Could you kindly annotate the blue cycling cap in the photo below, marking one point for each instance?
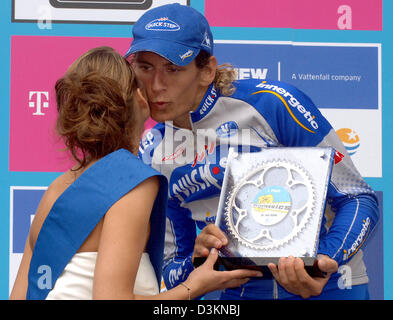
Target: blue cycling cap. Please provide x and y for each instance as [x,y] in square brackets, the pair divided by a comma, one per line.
[173,31]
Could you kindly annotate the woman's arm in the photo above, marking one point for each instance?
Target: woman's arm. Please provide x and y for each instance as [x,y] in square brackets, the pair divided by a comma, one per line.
[123,239]
[20,285]
[19,289]
[205,279]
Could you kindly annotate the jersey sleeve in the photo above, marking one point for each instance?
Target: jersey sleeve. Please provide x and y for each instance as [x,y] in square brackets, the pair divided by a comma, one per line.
[180,231]
[179,244]
[149,142]
[290,113]
[352,204]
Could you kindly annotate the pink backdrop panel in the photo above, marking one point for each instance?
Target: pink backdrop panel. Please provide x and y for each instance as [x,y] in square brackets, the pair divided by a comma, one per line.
[298,14]
[36,63]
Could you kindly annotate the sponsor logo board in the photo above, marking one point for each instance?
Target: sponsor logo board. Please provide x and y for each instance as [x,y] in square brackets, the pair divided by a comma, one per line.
[352,79]
[23,205]
[44,12]
[296,14]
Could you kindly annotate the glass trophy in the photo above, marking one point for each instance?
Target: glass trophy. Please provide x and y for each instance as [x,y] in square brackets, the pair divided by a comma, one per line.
[271,206]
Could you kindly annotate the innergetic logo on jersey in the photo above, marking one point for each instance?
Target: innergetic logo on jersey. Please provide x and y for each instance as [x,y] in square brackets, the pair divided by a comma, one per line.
[290,101]
[359,240]
[227,129]
[350,139]
[162,24]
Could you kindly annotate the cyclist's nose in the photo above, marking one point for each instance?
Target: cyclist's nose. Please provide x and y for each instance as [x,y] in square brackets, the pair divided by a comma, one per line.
[158,81]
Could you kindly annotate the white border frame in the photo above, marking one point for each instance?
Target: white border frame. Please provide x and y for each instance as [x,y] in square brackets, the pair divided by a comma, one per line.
[11,255]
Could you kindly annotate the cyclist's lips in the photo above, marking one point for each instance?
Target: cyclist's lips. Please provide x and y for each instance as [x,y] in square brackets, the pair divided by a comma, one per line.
[159,105]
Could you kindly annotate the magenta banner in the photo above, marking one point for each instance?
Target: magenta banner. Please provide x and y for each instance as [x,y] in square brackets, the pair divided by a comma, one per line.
[36,63]
[297,14]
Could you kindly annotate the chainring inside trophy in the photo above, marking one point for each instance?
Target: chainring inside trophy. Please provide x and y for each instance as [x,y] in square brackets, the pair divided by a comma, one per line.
[270,205]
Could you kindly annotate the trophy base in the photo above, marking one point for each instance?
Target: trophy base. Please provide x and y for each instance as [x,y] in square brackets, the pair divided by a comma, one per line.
[260,264]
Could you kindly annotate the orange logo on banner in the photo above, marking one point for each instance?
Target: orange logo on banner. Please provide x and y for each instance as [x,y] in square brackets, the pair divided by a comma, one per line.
[350,139]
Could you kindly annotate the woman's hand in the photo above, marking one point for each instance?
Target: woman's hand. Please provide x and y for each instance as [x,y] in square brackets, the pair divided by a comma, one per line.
[205,279]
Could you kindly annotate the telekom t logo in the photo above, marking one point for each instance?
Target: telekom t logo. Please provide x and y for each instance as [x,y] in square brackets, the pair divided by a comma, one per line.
[38,102]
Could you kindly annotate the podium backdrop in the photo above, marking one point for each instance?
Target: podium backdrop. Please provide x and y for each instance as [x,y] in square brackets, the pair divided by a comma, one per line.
[339,52]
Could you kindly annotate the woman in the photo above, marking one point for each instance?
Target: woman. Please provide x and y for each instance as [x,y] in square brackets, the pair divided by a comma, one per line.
[99,229]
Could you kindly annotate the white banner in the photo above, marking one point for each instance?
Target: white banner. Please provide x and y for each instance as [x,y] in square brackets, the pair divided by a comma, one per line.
[109,11]
[361,133]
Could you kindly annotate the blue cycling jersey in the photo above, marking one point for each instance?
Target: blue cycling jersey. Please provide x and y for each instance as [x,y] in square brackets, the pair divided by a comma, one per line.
[259,114]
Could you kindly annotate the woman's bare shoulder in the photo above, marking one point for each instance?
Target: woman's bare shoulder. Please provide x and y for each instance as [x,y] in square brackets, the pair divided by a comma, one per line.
[55,189]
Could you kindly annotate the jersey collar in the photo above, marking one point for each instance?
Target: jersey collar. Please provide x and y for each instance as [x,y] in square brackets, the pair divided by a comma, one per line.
[206,105]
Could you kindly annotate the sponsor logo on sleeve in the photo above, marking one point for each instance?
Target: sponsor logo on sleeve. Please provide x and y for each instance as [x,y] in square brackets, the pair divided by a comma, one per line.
[227,129]
[359,240]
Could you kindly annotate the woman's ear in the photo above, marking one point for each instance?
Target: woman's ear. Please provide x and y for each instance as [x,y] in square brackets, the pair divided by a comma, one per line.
[209,71]
[142,104]
[141,99]
[131,60]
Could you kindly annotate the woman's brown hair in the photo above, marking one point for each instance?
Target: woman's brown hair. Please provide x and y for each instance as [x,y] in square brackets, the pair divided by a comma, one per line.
[95,105]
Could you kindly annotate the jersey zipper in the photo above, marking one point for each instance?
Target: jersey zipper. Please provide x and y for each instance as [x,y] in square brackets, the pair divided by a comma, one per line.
[191,123]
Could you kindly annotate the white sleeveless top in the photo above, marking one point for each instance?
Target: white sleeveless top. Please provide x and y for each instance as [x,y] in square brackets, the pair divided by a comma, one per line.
[76,280]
